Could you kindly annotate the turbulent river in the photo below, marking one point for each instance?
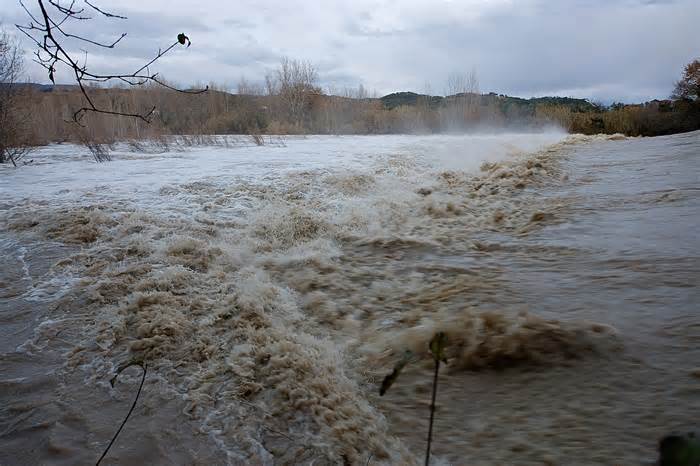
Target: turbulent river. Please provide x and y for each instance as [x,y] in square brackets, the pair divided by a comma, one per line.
[269,289]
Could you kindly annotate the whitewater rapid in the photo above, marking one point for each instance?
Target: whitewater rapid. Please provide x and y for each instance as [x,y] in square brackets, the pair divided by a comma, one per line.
[270,288]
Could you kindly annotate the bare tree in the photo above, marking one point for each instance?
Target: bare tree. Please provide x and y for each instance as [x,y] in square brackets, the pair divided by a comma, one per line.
[456,83]
[294,81]
[462,91]
[246,87]
[271,84]
[462,83]
[13,120]
[47,29]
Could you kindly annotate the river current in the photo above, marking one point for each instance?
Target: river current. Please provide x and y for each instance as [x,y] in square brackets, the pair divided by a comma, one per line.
[268,290]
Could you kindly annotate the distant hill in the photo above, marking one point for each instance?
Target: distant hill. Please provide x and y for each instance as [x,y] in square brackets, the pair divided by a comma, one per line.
[46,87]
[398,99]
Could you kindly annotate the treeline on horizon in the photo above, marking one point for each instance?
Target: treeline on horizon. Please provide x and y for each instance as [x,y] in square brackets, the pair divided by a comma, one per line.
[291,102]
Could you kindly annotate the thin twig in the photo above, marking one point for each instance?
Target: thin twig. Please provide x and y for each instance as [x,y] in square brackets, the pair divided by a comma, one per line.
[138,393]
[432,412]
[109,15]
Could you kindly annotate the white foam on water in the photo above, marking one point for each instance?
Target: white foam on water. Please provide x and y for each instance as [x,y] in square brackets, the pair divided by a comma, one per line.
[269,287]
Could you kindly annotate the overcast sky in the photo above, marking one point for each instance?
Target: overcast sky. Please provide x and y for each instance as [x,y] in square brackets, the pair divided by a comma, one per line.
[606,50]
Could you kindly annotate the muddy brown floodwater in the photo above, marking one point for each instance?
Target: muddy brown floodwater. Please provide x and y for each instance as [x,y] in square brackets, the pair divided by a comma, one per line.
[269,307]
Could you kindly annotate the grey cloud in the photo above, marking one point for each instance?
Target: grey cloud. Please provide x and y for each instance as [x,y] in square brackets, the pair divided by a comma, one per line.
[608,50]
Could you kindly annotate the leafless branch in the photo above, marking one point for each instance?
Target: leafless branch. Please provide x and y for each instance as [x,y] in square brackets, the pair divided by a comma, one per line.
[109,15]
[47,32]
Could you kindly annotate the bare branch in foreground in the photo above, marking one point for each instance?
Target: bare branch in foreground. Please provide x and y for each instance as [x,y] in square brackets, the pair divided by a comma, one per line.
[47,31]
